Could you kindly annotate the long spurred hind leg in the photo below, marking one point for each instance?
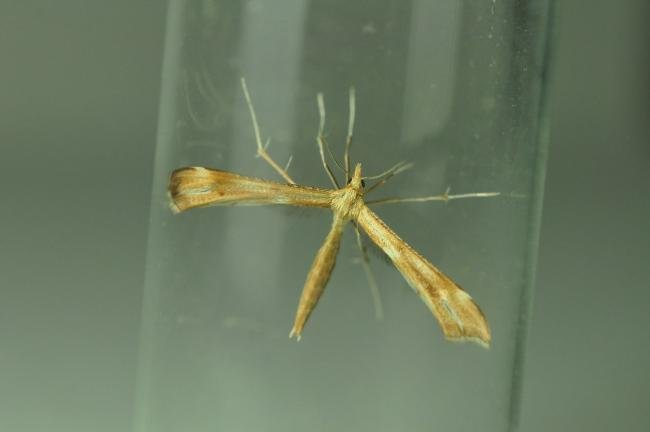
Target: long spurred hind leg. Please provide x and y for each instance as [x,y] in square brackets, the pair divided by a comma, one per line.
[444,197]
[372,283]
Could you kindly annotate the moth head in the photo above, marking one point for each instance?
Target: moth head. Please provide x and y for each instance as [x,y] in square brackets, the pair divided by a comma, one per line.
[356,181]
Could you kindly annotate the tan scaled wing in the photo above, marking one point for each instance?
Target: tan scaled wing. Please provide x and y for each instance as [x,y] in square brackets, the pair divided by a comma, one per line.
[458,315]
[318,276]
[192,187]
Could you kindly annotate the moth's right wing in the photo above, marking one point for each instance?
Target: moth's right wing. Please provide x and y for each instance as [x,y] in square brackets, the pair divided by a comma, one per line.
[201,187]
[458,315]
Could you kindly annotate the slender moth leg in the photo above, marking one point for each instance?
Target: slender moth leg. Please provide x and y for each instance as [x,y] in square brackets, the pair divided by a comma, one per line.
[372,283]
[321,141]
[261,149]
[444,197]
[387,175]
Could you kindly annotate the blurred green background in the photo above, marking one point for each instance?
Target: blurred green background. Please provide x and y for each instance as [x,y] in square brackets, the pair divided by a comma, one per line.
[79,85]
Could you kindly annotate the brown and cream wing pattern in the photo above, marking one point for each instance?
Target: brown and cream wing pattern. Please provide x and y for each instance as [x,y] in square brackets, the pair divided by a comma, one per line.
[458,315]
[192,187]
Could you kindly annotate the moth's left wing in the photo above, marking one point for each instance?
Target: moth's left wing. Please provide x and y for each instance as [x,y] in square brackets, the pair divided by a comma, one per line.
[458,315]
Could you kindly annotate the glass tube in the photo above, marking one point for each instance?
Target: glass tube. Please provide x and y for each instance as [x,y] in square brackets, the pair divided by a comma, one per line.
[455,87]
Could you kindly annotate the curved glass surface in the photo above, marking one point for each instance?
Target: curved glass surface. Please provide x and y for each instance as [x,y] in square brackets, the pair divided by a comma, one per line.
[457,88]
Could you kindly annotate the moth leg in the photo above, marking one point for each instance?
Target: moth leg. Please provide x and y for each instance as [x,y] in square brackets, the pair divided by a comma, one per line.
[320,139]
[261,149]
[318,275]
[372,283]
[386,175]
[444,198]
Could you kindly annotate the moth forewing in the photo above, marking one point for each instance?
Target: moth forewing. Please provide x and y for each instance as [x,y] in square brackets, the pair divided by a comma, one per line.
[192,187]
[318,275]
[458,315]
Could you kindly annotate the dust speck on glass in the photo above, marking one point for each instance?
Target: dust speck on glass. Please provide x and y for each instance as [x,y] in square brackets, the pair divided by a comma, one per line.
[458,89]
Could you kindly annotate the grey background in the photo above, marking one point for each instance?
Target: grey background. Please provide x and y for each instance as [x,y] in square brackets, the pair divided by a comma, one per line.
[79,84]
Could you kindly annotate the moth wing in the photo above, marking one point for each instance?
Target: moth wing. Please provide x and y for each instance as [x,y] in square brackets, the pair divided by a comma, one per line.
[192,187]
[318,276]
[458,315]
